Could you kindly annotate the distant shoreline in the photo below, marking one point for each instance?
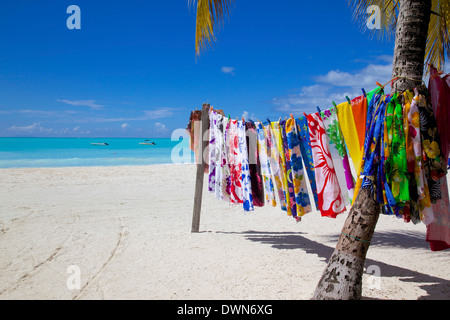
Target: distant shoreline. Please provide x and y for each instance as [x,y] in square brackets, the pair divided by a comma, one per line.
[112,166]
[83,152]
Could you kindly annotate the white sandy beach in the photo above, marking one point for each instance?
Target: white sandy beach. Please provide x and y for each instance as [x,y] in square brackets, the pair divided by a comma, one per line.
[128,230]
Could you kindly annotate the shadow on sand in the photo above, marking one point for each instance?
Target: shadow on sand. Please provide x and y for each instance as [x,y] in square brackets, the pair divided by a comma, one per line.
[436,288]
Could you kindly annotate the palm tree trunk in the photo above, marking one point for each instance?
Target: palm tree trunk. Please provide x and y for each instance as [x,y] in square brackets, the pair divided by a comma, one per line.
[410,43]
[342,277]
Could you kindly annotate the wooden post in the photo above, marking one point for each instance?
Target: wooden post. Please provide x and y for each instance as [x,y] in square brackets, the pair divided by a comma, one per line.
[200,170]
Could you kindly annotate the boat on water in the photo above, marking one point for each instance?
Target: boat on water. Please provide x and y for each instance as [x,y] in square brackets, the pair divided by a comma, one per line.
[99,144]
[148,142]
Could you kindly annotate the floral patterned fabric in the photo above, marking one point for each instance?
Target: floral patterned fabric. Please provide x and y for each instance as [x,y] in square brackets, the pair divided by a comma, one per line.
[438,232]
[275,164]
[423,195]
[305,148]
[339,154]
[302,200]
[276,130]
[213,151]
[289,176]
[266,171]
[376,153]
[254,165]
[234,160]
[396,166]
[433,162]
[226,176]
[370,106]
[439,88]
[219,140]
[411,210]
[247,197]
[329,194]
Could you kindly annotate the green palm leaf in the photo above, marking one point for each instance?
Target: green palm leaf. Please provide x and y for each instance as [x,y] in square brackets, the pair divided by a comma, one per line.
[210,13]
[438,40]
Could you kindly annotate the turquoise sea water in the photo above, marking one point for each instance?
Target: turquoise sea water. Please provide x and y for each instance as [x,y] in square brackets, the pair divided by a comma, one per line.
[69,152]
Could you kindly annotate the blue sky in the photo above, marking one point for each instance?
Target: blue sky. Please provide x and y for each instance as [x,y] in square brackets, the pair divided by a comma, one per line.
[131,70]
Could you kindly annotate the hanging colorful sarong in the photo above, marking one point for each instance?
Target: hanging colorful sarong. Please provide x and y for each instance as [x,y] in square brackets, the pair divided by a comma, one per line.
[381,186]
[348,129]
[254,165]
[234,160]
[440,98]
[434,164]
[438,232]
[226,177]
[299,179]
[289,176]
[411,212]
[276,130]
[265,165]
[275,166]
[213,152]
[305,148]
[359,112]
[219,141]
[423,194]
[339,154]
[396,164]
[375,155]
[329,194]
[247,197]
[370,106]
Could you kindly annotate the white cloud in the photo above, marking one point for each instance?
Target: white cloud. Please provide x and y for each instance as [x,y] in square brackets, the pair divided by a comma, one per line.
[36,129]
[364,78]
[160,126]
[30,112]
[385,58]
[159,113]
[144,115]
[246,115]
[33,128]
[334,86]
[83,103]
[228,70]
[125,126]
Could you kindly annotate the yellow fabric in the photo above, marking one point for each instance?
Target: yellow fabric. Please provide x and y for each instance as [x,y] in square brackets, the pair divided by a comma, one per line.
[348,128]
[358,179]
[350,133]
[279,141]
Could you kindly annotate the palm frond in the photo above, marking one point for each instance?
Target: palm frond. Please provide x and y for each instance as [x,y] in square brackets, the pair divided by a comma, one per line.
[210,14]
[438,40]
[388,10]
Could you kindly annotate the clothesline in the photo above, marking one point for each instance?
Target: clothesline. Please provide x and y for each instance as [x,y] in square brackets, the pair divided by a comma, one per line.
[382,86]
[392,141]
